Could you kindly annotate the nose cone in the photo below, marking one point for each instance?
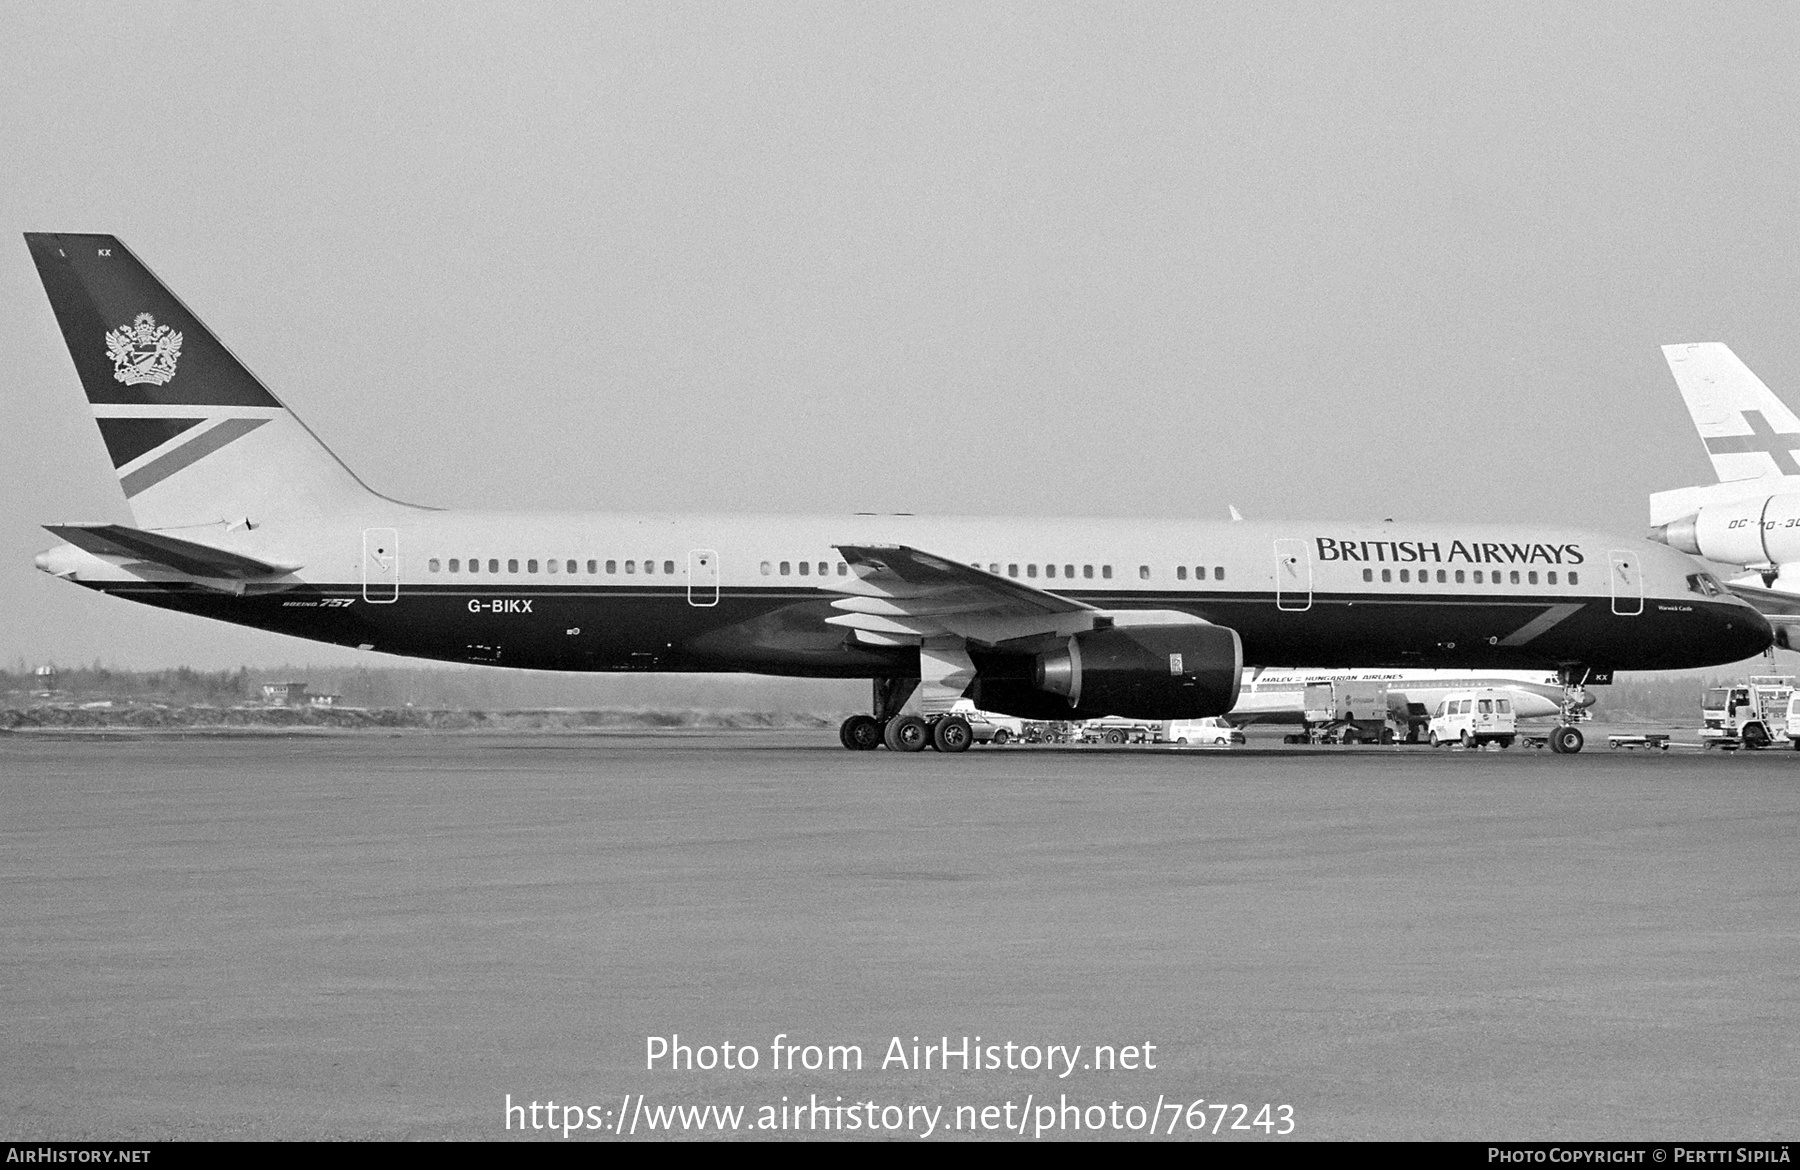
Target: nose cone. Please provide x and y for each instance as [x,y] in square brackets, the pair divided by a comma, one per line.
[1745,632]
[42,561]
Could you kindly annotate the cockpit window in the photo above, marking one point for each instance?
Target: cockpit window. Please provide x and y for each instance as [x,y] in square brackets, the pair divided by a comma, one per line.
[1705,584]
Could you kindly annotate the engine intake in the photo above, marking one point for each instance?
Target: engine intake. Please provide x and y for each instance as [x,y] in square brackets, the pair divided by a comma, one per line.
[1762,530]
[1146,672]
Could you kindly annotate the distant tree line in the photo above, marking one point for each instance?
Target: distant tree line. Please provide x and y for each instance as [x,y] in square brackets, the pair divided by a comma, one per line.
[1672,696]
[446,688]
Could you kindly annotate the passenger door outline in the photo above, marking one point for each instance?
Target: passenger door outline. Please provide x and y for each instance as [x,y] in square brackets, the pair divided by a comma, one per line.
[1293,576]
[703,577]
[381,566]
[1627,581]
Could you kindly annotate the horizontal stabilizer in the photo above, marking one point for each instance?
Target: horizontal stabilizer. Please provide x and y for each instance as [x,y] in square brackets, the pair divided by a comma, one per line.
[184,556]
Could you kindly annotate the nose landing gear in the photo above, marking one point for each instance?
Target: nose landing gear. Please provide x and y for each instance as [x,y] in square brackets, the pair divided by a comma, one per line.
[1566,738]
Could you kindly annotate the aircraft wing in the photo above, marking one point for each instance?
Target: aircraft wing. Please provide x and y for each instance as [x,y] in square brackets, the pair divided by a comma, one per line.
[1748,432]
[1778,608]
[183,556]
[900,595]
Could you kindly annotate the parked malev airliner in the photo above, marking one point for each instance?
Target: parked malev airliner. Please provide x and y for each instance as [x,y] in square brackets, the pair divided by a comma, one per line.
[1278,696]
[241,514]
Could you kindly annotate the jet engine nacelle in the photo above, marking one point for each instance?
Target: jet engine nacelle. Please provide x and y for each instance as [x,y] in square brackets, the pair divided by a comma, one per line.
[1144,672]
[1764,530]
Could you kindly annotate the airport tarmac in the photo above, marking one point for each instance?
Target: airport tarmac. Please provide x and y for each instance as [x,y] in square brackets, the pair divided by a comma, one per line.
[361,936]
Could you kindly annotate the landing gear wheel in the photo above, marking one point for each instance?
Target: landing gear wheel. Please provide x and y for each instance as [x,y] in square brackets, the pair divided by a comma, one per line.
[1566,739]
[860,733]
[952,734]
[906,733]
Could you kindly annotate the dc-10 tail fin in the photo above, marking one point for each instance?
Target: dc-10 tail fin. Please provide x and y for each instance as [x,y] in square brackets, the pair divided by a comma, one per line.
[1748,432]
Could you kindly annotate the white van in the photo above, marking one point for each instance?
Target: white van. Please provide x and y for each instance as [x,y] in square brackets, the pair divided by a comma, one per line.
[1474,718]
[1793,720]
[1216,730]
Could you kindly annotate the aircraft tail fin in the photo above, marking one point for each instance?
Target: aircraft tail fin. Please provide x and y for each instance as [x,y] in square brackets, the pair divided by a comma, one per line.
[1748,432]
[195,438]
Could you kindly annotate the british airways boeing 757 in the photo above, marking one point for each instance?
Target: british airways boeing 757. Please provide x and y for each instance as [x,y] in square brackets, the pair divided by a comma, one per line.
[241,514]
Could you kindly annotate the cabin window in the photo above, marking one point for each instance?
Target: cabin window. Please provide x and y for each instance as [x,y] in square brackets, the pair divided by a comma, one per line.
[512,565]
[1087,572]
[1106,571]
[1405,575]
[474,565]
[805,569]
[1181,572]
[1532,577]
[493,564]
[1218,572]
[1574,577]
[824,569]
[1515,576]
[649,566]
[1031,570]
[1459,576]
[1387,574]
[432,564]
[1012,570]
[843,569]
[1143,572]
[454,564]
[1440,576]
[1477,576]
[1068,570]
[572,566]
[767,568]
[549,566]
[1368,574]
[631,567]
[1550,577]
[994,569]
[785,568]
[531,565]
[669,567]
[1049,570]
[613,566]
[1199,572]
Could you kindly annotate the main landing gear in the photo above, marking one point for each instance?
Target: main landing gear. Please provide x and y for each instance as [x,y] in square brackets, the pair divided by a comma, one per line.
[907,733]
[903,733]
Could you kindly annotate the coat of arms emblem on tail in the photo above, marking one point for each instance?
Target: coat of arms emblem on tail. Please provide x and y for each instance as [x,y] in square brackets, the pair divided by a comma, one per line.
[143,351]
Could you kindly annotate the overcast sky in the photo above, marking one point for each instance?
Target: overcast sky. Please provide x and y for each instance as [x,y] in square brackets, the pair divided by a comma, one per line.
[1345,261]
